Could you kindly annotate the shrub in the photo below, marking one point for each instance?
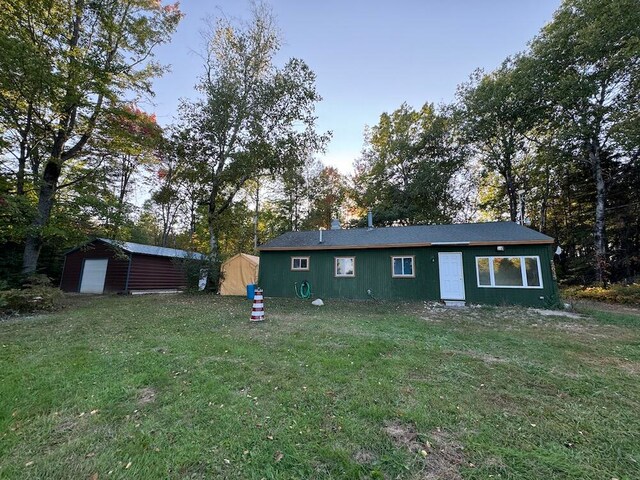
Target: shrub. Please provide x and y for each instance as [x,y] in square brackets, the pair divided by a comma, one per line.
[193,270]
[3,286]
[37,295]
[616,293]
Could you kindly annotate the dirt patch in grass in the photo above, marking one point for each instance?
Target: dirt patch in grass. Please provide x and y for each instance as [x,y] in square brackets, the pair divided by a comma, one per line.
[364,457]
[146,395]
[66,426]
[403,436]
[604,363]
[485,357]
[444,458]
[441,454]
[629,366]
[219,359]
[632,368]
[556,313]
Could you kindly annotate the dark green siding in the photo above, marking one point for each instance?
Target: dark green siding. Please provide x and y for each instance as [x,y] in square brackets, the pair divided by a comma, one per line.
[373,272]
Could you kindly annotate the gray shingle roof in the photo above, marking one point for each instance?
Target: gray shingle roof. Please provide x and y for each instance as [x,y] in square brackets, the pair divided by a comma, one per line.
[491,233]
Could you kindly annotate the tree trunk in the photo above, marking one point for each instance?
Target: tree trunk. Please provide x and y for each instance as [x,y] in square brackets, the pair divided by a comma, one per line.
[127,167]
[24,151]
[255,219]
[599,235]
[164,241]
[193,205]
[213,277]
[511,195]
[213,240]
[33,241]
[22,162]
[545,199]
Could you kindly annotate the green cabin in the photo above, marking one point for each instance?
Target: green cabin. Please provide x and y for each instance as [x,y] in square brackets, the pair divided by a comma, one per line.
[479,263]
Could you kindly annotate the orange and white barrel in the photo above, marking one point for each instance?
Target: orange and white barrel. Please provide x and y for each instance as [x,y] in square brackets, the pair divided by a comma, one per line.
[257,311]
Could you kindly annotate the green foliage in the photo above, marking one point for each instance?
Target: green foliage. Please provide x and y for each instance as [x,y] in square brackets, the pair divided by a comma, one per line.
[294,193]
[329,197]
[496,112]
[37,295]
[66,69]
[194,270]
[408,166]
[628,294]
[253,118]
[584,66]
[559,122]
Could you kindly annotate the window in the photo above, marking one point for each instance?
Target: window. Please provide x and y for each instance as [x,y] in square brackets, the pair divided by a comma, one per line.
[299,263]
[402,267]
[484,273]
[532,269]
[345,267]
[509,272]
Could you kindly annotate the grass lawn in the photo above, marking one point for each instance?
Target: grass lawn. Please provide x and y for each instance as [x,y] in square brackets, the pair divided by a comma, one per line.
[186,387]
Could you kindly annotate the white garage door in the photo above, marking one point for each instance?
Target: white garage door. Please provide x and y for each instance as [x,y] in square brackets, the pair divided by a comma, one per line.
[93,275]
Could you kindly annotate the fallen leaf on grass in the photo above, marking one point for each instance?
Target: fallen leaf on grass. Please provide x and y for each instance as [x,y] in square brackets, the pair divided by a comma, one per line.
[94,477]
[128,465]
[278,456]
[28,464]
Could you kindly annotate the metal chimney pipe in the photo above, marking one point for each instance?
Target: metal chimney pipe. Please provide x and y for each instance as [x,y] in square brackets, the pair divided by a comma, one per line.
[369,219]
[320,230]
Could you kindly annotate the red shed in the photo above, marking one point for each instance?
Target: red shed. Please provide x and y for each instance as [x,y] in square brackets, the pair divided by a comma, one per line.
[105,265]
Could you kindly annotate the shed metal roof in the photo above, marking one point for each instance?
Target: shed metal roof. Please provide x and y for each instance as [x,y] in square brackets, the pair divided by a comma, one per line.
[153,250]
[143,249]
[489,233]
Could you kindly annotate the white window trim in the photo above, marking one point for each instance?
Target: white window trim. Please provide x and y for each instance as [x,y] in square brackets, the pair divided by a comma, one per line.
[335,268]
[413,266]
[293,269]
[523,271]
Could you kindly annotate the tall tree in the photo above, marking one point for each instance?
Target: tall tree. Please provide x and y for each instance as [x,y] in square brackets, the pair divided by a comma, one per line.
[253,117]
[587,65]
[63,64]
[329,194]
[293,196]
[496,114]
[127,140]
[407,166]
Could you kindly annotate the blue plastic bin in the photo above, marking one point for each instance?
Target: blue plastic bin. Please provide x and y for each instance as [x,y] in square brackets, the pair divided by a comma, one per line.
[251,291]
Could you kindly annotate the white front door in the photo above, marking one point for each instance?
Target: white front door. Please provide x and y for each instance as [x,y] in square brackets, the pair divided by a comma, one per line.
[93,275]
[451,276]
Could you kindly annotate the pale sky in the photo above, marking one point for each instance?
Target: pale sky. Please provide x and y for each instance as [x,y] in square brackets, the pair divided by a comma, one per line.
[369,56]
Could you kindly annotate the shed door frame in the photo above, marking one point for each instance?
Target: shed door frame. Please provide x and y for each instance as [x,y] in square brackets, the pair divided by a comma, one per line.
[460,279]
[103,274]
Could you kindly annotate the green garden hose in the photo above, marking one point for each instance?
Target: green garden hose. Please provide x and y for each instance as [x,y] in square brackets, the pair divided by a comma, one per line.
[305,290]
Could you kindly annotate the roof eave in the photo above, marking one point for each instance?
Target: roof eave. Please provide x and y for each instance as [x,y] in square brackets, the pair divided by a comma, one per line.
[407,245]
